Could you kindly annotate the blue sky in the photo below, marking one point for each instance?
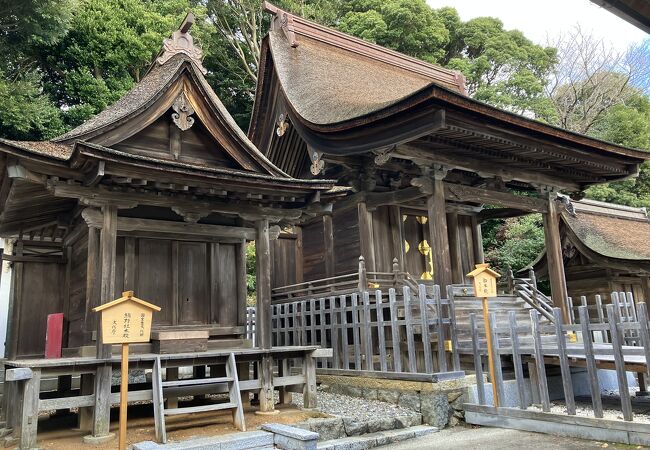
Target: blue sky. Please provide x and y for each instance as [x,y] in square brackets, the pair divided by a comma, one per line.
[542,18]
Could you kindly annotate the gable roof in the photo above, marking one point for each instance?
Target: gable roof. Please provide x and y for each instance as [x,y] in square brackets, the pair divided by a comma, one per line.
[331,77]
[342,96]
[610,230]
[607,234]
[176,72]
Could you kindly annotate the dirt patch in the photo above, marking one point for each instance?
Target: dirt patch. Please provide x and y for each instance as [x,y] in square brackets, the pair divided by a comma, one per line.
[57,431]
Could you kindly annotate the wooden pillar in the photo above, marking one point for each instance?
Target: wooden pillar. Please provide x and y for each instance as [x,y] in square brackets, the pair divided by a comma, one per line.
[299,256]
[397,235]
[455,252]
[263,269]
[645,289]
[477,241]
[107,244]
[438,233]
[365,236]
[554,257]
[328,241]
[241,283]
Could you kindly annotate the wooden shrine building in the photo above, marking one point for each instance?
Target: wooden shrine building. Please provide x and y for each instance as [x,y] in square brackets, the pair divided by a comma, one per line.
[604,249]
[158,194]
[420,156]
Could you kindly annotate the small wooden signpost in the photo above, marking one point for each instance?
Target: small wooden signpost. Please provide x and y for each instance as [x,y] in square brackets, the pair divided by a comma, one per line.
[124,321]
[485,286]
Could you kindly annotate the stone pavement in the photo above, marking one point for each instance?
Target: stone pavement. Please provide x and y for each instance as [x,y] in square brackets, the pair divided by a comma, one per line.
[497,438]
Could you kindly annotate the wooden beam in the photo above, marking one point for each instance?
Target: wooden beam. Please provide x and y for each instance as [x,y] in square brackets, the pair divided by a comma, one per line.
[426,156]
[438,234]
[263,269]
[463,193]
[499,213]
[125,224]
[129,199]
[398,197]
[554,257]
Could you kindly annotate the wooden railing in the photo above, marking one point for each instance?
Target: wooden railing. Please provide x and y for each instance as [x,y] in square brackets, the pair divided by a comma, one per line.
[623,303]
[526,289]
[359,281]
[390,331]
[562,345]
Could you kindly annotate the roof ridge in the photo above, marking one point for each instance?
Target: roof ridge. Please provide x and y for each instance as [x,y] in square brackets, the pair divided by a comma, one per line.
[294,25]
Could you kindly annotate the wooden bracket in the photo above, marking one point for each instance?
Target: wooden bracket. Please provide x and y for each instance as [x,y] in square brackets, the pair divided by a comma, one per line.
[93,178]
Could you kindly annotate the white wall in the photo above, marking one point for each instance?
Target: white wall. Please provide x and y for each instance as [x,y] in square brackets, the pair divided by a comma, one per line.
[5,283]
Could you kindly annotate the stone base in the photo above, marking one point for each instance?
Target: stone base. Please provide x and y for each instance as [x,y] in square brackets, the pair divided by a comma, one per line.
[96,440]
[268,413]
[439,403]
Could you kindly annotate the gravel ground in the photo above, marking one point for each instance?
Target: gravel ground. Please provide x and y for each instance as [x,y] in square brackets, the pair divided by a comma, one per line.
[585,410]
[353,407]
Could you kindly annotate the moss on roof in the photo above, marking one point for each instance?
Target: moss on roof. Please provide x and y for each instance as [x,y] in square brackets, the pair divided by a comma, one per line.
[613,236]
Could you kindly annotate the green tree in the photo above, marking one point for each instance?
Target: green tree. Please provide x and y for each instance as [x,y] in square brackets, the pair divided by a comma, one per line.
[25,113]
[109,46]
[502,67]
[513,243]
[408,26]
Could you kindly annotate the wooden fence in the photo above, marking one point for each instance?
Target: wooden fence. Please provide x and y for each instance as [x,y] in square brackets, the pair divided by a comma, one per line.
[565,345]
[374,331]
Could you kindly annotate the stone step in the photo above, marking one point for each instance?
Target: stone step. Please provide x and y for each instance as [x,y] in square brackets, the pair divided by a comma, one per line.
[371,440]
[249,440]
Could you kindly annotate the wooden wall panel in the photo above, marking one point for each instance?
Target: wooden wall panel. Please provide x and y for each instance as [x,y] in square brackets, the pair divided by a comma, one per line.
[465,235]
[347,244]
[193,276]
[383,239]
[227,282]
[313,251]
[283,258]
[42,294]
[154,267]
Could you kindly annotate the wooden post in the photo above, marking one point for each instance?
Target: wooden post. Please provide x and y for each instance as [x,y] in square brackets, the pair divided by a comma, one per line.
[454,248]
[397,235]
[438,232]
[645,289]
[363,277]
[263,263]
[366,236]
[554,257]
[477,241]
[488,337]
[328,241]
[124,395]
[15,300]
[107,243]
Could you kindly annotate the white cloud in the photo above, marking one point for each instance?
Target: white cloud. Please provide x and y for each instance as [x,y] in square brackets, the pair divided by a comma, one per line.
[542,18]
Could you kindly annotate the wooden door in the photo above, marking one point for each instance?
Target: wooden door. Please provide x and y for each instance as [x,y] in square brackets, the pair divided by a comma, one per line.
[155,277]
[193,283]
[417,249]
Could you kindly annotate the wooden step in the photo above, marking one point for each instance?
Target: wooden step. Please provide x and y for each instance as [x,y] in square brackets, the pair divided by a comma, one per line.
[196,381]
[201,408]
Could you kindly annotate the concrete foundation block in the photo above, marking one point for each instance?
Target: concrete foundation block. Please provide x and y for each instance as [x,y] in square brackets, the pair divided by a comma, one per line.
[291,438]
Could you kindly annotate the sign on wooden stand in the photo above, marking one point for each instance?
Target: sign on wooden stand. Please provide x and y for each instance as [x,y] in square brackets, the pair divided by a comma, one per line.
[485,286]
[125,321]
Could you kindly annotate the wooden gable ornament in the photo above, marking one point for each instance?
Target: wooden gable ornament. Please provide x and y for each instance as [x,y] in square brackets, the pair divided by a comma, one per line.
[126,320]
[485,281]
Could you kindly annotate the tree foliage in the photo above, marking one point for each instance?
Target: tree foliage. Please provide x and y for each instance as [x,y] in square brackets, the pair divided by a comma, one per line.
[513,243]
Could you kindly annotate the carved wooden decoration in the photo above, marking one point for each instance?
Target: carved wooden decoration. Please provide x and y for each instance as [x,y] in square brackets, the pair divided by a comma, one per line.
[283,125]
[182,42]
[183,112]
[383,156]
[317,165]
